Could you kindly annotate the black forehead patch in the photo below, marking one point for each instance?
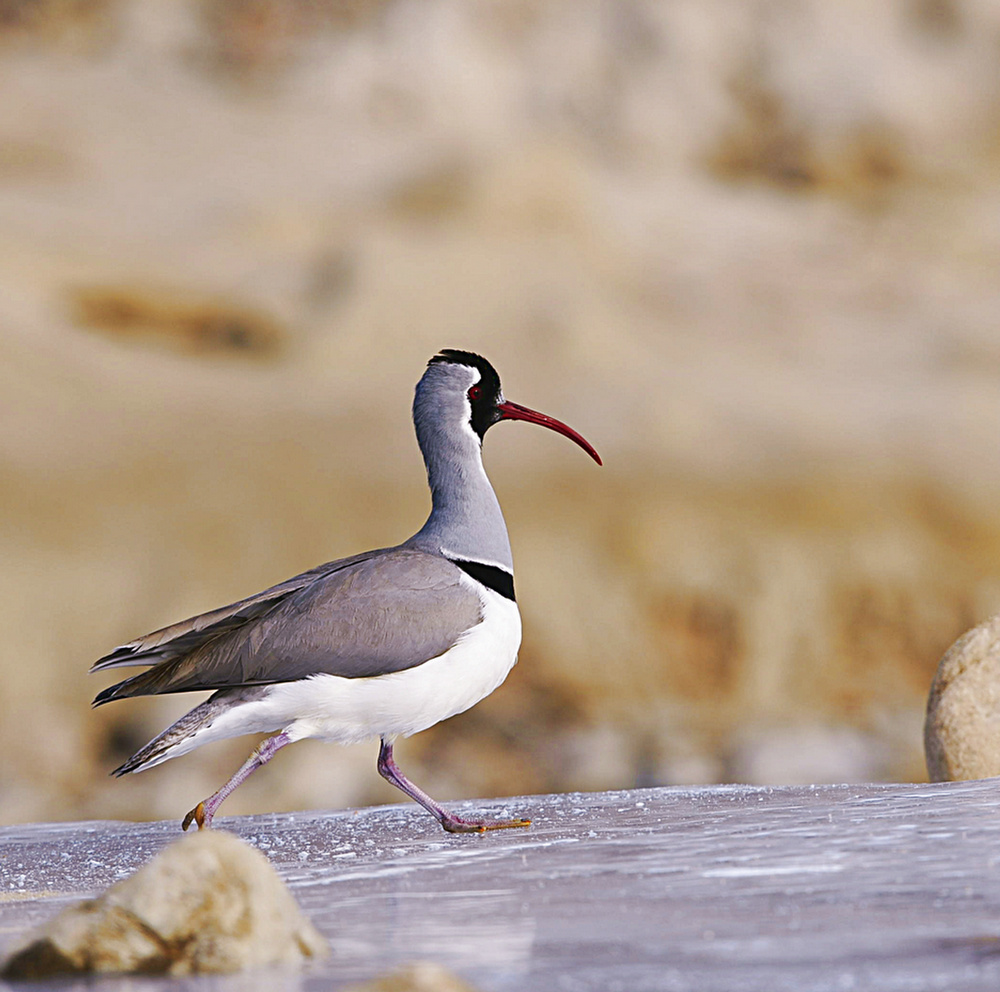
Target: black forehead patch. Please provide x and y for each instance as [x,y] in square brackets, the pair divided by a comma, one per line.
[488,378]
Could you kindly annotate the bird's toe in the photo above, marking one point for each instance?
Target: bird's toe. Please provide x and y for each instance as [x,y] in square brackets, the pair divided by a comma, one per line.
[196,815]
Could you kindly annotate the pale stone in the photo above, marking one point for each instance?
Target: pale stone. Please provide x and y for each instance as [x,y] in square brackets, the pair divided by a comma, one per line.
[418,976]
[962,730]
[208,903]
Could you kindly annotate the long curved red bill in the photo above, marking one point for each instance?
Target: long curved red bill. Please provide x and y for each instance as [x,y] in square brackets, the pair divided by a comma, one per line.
[514,411]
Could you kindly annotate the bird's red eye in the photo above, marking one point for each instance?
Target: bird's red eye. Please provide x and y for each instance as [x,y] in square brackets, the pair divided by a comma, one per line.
[475,392]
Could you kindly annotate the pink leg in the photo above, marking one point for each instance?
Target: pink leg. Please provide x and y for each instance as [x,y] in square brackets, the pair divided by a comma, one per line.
[203,813]
[389,770]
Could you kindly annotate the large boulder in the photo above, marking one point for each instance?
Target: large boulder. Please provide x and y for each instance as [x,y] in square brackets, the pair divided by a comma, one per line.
[208,903]
[962,730]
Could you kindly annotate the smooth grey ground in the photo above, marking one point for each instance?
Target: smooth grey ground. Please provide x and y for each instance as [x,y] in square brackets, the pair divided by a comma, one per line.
[807,888]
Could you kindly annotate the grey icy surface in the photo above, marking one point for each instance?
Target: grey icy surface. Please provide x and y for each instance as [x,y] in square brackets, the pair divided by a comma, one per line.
[808,888]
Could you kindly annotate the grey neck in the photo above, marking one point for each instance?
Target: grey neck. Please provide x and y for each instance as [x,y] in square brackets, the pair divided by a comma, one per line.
[465,520]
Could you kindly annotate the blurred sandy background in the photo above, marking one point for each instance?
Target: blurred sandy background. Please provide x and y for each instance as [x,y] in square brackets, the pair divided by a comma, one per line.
[750,249]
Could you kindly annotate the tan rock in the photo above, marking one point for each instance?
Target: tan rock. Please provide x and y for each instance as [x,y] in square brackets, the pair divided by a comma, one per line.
[417,976]
[962,730]
[208,903]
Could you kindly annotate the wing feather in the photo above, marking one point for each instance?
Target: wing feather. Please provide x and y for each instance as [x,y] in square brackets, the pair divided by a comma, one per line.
[185,636]
[370,616]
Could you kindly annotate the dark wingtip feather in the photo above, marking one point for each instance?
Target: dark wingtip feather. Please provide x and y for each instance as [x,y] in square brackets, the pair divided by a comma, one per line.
[123,657]
[106,695]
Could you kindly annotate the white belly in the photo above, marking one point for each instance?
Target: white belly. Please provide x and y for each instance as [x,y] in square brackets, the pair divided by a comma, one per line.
[346,711]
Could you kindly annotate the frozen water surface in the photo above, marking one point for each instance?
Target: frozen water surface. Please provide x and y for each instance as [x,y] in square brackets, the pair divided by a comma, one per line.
[875,887]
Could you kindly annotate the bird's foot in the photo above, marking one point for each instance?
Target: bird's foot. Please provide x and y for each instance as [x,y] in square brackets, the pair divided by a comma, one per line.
[456,825]
[198,815]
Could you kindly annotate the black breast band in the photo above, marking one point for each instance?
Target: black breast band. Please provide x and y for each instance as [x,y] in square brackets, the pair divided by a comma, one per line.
[497,579]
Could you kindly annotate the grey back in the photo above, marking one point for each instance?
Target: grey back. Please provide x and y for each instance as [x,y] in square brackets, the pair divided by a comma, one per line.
[384,612]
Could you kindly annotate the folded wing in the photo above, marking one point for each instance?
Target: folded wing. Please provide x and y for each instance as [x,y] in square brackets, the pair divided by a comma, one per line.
[358,617]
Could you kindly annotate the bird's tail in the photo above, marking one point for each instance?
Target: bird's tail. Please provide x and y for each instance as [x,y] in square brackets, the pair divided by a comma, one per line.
[198,726]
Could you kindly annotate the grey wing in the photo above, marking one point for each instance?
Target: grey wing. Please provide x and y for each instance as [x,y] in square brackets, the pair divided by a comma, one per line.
[185,636]
[379,615]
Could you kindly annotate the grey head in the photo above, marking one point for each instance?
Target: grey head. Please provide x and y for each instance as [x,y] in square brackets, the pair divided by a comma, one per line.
[456,402]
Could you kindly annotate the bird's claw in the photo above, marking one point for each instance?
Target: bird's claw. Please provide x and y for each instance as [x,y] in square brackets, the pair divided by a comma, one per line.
[197,815]
[456,825]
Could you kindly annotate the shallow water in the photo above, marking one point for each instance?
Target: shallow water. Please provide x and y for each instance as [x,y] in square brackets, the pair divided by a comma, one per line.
[811,888]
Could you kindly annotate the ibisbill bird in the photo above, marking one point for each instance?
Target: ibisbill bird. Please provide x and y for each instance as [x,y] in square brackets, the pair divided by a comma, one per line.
[375,646]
